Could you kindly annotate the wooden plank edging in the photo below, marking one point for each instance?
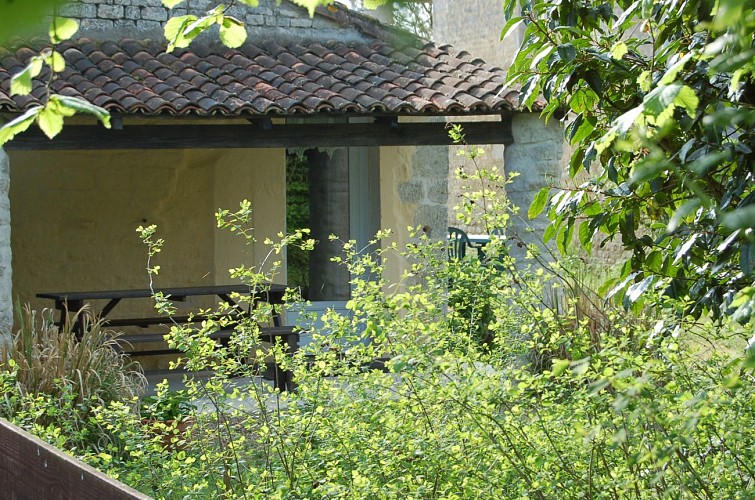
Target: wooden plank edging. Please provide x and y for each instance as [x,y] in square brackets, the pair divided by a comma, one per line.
[31,468]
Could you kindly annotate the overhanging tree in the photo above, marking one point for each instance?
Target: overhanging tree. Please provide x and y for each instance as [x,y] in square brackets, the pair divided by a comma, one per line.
[658,96]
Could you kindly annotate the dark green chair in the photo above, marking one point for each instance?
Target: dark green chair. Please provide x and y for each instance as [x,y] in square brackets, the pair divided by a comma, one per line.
[458,242]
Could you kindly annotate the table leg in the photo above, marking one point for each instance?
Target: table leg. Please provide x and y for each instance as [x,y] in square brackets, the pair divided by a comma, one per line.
[284,379]
[67,308]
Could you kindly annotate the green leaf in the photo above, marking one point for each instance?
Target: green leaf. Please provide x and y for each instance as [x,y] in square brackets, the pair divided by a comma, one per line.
[564,237]
[311,5]
[55,104]
[747,257]
[175,31]
[62,28]
[21,83]
[727,13]
[741,218]
[580,366]
[627,120]
[540,56]
[618,50]
[703,163]
[687,99]
[581,128]
[618,288]
[670,75]
[171,3]
[510,26]
[549,232]
[647,170]
[749,362]
[560,366]
[645,80]
[682,213]
[50,120]
[585,236]
[23,17]
[204,23]
[583,100]
[528,93]
[57,62]
[744,302]
[628,14]
[18,125]
[78,105]
[661,98]
[232,32]
[592,209]
[567,52]
[636,290]
[538,203]
[686,246]
[654,261]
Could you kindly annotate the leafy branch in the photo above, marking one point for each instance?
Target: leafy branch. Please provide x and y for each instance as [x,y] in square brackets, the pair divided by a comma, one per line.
[51,113]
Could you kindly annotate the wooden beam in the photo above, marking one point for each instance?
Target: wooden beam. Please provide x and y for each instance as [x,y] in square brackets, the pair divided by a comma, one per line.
[250,136]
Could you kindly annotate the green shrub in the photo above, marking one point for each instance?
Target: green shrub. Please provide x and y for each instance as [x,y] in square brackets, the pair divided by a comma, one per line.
[565,398]
[51,380]
[581,399]
[167,404]
[51,360]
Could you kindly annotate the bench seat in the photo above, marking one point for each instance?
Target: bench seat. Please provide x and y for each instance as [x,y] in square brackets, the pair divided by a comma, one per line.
[288,334]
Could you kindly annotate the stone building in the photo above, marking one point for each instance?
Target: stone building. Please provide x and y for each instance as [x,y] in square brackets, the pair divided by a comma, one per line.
[207,126]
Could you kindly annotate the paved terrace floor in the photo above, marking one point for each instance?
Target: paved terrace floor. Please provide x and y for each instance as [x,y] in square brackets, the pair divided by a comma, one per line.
[176,379]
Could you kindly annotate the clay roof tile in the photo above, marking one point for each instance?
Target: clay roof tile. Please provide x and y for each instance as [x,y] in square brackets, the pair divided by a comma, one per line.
[133,76]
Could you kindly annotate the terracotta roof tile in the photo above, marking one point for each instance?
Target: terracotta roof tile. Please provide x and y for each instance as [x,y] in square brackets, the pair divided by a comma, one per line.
[301,78]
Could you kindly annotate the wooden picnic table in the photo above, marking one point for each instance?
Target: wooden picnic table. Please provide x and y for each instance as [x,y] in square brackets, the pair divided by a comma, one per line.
[68,303]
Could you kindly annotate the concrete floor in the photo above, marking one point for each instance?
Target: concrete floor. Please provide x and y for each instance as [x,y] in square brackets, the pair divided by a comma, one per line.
[176,381]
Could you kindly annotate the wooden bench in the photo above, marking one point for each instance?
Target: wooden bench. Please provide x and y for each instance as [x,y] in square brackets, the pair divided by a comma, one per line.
[283,379]
[70,302]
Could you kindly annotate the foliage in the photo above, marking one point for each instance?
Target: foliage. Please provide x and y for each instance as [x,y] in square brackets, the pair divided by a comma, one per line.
[297,217]
[659,99]
[563,401]
[167,404]
[49,115]
[400,399]
[51,381]
[46,359]
[16,18]
[411,15]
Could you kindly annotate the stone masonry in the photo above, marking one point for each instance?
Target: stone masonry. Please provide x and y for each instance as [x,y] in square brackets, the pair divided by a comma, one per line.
[6,295]
[140,19]
[428,189]
[536,156]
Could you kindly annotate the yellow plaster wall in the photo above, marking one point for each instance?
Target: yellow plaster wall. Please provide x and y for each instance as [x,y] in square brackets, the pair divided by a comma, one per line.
[74,215]
[396,215]
[260,176]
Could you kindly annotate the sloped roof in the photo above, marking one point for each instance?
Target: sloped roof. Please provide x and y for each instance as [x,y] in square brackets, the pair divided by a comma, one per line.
[388,75]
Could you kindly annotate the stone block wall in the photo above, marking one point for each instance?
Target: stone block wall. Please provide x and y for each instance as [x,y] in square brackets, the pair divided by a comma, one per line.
[109,19]
[6,301]
[475,26]
[537,157]
[427,189]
